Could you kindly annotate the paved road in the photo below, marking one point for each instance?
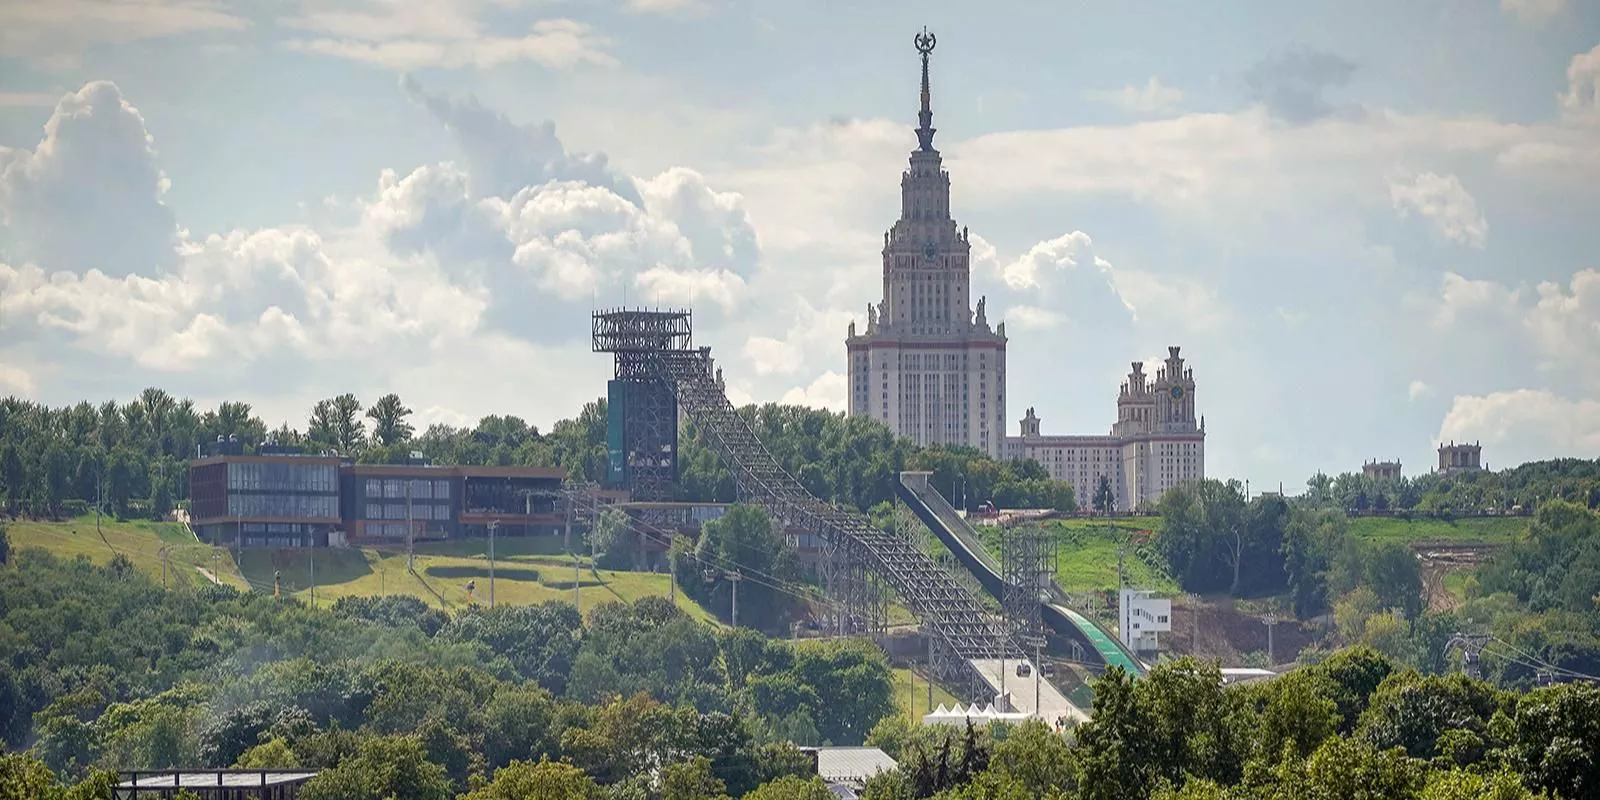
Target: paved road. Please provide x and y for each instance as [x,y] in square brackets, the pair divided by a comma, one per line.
[1054,704]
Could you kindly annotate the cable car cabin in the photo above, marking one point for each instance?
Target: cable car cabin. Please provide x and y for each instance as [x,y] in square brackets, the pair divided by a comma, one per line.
[1046,669]
[1023,670]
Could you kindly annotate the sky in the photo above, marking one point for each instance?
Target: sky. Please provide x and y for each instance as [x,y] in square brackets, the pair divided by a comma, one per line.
[1371,226]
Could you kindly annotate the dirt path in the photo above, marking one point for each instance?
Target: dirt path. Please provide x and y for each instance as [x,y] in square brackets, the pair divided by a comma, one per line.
[208,575]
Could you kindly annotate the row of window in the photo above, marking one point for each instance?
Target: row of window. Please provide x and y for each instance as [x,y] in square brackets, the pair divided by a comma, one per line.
[395,488]
[387,530]
[398,511]
[283,505]
[281,477]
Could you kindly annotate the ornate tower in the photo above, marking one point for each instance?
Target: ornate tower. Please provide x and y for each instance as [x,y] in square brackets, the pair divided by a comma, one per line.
[927,365]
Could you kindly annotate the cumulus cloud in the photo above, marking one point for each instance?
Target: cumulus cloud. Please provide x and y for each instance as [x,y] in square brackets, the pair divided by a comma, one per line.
[504,157]
[15,381]
[1533,12]
[1565,321]
[830,390]
[1152,97]
[90,194]
[1291,85]
[1445,203]
[1525,425]
[1582,98]
[1418,390]
[431,262]
[1462,298]
[410,35]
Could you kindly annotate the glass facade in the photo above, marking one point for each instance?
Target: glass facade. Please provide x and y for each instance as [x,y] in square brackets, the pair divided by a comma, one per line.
[278,476]
[395,489]
[284,505]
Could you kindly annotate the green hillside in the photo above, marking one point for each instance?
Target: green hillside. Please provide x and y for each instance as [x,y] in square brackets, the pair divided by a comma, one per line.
[442,570]
[1474,530]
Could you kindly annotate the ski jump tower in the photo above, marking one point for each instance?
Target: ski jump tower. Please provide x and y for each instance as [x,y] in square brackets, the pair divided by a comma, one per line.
[660,373]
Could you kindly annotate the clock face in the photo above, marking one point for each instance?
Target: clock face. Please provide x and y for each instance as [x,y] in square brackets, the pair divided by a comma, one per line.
[930,250]
[1177,392]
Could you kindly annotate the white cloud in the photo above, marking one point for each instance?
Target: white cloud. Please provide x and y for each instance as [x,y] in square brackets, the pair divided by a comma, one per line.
[829,391]
[1462,297]
[1029,317]
[1152,97]
[1582,98]
[1533,12]
[1418,390]
[409,35]
[1525,425]
[668,6]
[15,381]
[1443,201]
[769,356]
[1566,324]
[56,32]
[90,194]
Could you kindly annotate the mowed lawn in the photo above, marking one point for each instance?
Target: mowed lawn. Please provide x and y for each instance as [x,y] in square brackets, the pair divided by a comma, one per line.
[1473,530]
[442,580]
[911,694]
[442,570]
[142,541]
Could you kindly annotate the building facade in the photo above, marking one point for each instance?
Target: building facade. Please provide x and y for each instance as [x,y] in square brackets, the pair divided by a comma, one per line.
[1142,617]
[926,364]
[1156,443]
[1454,458]
[287,499]
[1381,470]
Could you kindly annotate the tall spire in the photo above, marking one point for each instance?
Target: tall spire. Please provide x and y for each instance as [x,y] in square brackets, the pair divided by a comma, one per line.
[925,42]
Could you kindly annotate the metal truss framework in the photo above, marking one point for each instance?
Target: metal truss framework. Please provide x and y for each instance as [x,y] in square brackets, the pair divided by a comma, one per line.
[659,344]
[1027,559]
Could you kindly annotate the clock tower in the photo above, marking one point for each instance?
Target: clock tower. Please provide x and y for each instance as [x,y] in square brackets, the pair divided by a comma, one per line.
[927,365]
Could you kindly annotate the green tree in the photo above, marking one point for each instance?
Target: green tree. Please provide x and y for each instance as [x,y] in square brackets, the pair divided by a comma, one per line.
[546,780]
[384,767]
[691,780]
[792,787]
[1105,500]
[389,426]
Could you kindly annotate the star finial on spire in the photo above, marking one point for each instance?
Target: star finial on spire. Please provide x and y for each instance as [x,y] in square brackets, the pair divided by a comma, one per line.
[924,42]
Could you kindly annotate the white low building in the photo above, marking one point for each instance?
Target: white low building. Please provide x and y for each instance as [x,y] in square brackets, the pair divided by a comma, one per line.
[1142,616]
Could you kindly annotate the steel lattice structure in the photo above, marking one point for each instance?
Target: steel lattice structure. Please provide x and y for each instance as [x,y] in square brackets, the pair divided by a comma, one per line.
[1027,558]
[657,345]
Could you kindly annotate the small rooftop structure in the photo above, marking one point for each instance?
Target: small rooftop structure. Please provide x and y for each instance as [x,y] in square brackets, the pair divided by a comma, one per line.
[213,784]
[846,769]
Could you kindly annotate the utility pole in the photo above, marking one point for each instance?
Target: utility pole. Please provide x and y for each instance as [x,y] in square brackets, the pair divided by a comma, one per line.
[1038,676]
[1471,645]
[311,553]
[163,567]
[411,530]
[1194,609]
[735,578]
[492,525]
[1270,620]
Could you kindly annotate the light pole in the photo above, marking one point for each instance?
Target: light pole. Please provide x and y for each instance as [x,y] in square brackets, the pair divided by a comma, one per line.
[735,578]
[492,525]
[1270,620]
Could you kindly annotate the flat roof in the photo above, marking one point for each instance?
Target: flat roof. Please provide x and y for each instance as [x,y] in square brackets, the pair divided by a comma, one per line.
[181,779]
[298,458]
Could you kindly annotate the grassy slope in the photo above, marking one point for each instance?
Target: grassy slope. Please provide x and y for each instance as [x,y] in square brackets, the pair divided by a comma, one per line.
[1487,530]
[918,700]
[141,541]
[1087,555]
[442,569]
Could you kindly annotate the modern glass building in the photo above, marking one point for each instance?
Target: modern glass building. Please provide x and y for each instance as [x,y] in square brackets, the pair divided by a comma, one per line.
[296,500]
[264,501]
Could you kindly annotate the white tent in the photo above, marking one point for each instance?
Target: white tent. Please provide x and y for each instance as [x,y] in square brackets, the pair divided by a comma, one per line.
[977,715]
